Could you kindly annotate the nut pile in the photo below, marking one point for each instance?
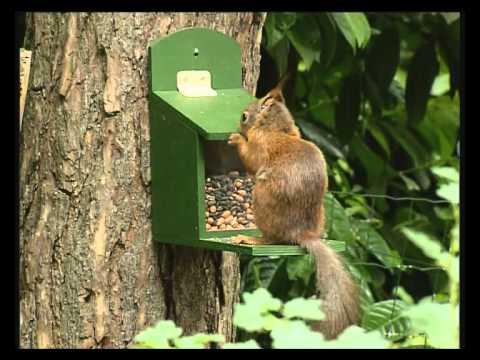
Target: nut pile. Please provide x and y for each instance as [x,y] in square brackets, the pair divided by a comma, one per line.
[228,202]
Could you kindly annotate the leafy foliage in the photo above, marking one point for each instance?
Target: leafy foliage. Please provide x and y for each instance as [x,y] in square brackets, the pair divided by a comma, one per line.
[286,328]
[260,312]
[379,93]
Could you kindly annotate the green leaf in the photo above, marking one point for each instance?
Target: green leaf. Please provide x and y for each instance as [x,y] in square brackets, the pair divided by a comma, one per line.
[198,341]
[450,17]
[273,35]
[450,192]
[443,213]
[251,315]
[383,58]
[276,26]
[295,335]
[247,318]
[338,223]
[446,172]
[449,44]
[354,27]
[408,141]
[158,336]
[348,108]
[355,337]
[421,73]
[424,242]
[300,267]
[373,94]
[329,38]
[379,137]
[250,344]
[437,321]
[411,184]
[403,295]
[387,316]
[308,309]
[440,85]
[440,126]
[305,38]
[376,244]
[285,20]
[374,165]
[260,272]
[262,300]
[279,52]
[314,133]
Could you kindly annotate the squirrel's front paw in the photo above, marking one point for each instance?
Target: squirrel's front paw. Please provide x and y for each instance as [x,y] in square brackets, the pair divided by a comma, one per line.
[235,139]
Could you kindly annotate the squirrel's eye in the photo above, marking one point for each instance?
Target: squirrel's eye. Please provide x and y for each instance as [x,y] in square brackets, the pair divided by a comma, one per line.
[244,117]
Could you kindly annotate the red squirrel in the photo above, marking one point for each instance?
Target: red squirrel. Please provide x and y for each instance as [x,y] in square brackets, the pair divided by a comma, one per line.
[288,200]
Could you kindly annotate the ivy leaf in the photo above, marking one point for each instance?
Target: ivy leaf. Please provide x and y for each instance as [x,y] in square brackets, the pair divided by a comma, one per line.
[295,335]
[198,341]
[247,318]
[158,336]
[355,337]
[251,315]
[436,321]
[262,300]
[309,309]
[354,27]
[421,73]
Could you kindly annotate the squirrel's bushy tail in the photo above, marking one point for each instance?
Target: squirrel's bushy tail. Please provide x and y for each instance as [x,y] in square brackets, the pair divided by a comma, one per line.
[338,291]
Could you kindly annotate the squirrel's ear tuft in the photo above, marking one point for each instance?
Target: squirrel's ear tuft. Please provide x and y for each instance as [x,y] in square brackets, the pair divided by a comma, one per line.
[277,91]
[276,94]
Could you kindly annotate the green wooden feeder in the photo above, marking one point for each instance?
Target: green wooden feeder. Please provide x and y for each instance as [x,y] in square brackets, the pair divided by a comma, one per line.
[189,138]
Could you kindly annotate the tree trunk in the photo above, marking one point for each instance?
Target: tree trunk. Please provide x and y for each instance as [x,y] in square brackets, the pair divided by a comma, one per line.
[91,277]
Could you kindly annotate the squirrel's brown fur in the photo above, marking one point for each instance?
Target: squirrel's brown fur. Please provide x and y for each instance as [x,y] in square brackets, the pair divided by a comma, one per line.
[291,181]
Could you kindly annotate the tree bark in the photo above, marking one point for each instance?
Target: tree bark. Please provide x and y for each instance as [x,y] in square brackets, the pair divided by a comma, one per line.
[91,277]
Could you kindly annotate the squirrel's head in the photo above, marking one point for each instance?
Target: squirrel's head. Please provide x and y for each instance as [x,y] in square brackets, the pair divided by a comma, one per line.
[268,113]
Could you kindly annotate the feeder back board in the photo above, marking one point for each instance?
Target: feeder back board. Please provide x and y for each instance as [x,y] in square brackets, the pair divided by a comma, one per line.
[179,127]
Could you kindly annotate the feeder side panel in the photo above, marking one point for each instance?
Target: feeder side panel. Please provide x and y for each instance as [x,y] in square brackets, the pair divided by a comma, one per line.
[174,152]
